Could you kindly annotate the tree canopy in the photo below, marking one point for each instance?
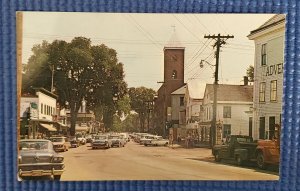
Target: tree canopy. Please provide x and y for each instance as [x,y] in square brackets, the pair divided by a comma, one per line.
[80,71]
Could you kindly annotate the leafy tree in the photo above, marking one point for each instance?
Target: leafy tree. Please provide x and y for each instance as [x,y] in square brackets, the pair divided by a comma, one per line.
[131,123]
[108,90]
[81,71]
[74,64]
[250,73]
[37,72]
[139,98]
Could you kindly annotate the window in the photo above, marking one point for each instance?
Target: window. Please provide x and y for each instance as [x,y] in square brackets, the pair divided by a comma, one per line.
[262,89]
[226,130]
[264,54]
[181,101]
[42,108]
[273,88]
[45,109]
[174,74]
[227,112]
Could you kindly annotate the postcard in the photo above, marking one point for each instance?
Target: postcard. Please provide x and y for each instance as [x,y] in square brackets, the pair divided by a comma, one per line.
[132,96]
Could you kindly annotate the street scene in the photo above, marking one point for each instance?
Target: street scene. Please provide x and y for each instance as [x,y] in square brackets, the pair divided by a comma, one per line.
[191,97]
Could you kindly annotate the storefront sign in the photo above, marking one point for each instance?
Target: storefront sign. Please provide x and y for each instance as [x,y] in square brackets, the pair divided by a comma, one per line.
[274,69]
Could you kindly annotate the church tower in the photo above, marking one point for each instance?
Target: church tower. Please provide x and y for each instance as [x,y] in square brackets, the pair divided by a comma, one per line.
[173,80]
[173,65]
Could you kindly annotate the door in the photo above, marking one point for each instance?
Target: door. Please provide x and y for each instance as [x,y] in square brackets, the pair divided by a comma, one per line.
[262,128]
[271,127]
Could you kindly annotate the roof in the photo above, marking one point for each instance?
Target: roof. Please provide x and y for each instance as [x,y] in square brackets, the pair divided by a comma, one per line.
[227,92]
[277,19]
[46,92]
[196,88]
[174,42]
[179,91]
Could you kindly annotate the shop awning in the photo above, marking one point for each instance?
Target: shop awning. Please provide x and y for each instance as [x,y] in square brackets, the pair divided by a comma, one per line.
[49,127]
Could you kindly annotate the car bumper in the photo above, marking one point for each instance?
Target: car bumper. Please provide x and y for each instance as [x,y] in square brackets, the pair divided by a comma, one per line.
[100,145]
[25,170]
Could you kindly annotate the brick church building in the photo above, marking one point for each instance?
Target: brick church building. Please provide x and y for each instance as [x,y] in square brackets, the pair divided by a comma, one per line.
[173,80]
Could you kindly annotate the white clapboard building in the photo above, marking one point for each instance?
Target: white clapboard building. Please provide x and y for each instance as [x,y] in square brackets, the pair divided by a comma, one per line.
[268,76]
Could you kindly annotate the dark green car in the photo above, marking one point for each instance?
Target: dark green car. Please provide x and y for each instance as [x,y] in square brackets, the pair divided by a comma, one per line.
[240,148]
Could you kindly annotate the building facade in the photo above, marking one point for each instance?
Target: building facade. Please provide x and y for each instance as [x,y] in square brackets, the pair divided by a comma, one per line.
[232,118]
[268,76]
[38,113]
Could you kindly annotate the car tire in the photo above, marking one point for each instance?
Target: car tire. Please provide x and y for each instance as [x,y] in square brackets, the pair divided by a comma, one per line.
[65,149]
[260,161]
[217,156]
[56,177]
[166,144]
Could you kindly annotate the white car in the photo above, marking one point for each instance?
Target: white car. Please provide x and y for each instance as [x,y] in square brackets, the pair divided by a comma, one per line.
[147,139]
[159,141]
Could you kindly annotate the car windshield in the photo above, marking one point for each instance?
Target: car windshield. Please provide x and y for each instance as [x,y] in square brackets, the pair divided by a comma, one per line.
[159,137]
[114,137]
[33,145]
[57,139]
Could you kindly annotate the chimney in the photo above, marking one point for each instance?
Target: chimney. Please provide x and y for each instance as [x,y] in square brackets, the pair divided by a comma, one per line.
[246,80]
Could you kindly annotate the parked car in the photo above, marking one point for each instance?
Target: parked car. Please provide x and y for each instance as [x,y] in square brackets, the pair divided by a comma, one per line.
[81,139]
[88,138]
[38,158]
[159,141]
[147,139]
[60,143]
[74,142]
[101,141]
[240,148]
[125,136]
[268,151]
[117,140]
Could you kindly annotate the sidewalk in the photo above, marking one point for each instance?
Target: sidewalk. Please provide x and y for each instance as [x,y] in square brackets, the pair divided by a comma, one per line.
[182,145]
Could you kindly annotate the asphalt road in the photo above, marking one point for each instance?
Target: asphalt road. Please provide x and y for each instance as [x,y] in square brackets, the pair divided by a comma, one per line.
[137,162]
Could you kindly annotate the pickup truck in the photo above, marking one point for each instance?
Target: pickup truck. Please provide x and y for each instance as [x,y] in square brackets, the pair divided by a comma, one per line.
[236,147]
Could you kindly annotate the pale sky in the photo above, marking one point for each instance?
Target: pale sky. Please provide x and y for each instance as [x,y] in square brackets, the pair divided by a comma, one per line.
[139,40]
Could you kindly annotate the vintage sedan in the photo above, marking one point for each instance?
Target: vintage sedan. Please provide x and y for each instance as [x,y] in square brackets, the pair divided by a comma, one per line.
[159,141]
[74,142]
[38,158]
[117,140]
[60,143]
[101,141]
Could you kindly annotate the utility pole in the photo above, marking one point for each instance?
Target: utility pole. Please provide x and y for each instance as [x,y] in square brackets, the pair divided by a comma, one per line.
[220,40]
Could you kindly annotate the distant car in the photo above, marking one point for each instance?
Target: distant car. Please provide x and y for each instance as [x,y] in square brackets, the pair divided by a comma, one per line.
[147,139]
[38,158]
[74,142]
[60,143]
[117,140]
[101,141]
[81,139]
[88,138]
[159,141]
